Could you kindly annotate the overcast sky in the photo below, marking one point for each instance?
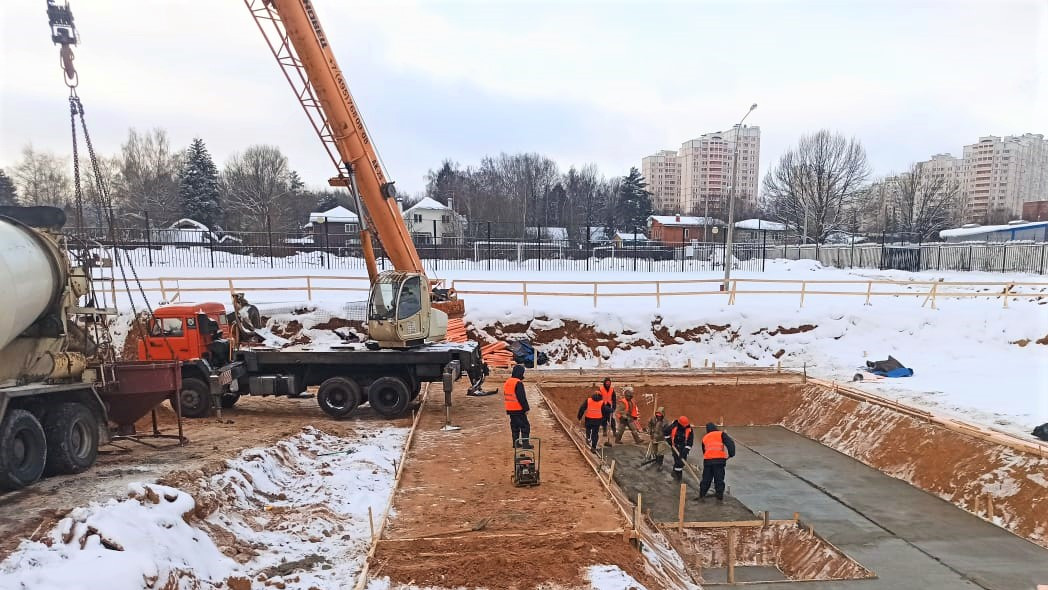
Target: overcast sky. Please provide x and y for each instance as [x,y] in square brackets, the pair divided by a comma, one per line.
[604,82]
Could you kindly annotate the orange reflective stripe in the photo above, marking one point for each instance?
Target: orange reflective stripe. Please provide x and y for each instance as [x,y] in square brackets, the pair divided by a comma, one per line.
[593,408]
[509,395]
[713,443]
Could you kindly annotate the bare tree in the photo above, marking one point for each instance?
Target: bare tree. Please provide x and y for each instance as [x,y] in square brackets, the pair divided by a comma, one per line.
[923,203]
[813,184]
[148,176]
[259,189]
[42,178]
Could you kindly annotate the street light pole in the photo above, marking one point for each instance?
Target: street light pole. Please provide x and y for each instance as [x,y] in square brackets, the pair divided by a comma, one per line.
[731,201]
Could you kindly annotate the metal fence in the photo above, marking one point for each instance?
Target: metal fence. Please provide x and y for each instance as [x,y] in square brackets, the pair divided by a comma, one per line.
[342,251]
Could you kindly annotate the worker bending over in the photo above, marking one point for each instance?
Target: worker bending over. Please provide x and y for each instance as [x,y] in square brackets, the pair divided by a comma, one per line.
[656,443]
[593,412]
[717,448]
[607,393]
[680,438]
[629,416]
[517,408]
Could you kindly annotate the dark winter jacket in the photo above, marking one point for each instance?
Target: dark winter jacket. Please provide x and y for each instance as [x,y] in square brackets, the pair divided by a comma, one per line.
[680,441]
[729,445]
[518,372]
[605,410]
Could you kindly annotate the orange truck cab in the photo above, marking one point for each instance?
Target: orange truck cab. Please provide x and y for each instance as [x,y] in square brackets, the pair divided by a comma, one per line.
[198,335]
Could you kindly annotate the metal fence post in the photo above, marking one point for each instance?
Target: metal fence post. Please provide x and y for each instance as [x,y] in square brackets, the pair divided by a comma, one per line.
[634,248]
[149,239]
[327,246]
[211,248]
[970,257]
[764,248]
[1004,256]
[269,239]
[489,245]
[1042,257]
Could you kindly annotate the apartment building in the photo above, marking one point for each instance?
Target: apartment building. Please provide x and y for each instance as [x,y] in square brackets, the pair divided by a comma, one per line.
[999,174]
[704,173]
[662,172]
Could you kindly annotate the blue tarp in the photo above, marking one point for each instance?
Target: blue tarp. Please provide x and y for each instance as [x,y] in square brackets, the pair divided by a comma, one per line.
[900,372]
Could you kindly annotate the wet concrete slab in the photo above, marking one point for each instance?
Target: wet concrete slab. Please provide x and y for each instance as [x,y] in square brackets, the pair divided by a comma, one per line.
[660,493]
[749,573]
[908,537]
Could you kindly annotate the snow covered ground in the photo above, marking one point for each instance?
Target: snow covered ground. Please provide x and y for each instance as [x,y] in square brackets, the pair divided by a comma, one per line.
[287,516]
[972,357]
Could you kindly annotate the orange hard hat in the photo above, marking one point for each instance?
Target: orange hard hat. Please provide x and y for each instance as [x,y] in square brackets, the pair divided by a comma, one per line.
[683,421]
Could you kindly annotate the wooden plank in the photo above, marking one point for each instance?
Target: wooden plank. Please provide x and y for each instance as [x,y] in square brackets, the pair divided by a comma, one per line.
[680,507]
[731,556]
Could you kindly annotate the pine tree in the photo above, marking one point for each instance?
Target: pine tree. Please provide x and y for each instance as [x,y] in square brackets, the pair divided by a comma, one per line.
[198,186]
[8,194]
[632,203]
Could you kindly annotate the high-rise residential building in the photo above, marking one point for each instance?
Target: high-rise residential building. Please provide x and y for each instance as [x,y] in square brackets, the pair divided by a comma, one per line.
[943,167]
[704,173]
[1000,174]
[662,172]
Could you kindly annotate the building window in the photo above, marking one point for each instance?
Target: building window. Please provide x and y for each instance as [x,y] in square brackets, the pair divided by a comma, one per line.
[416,217]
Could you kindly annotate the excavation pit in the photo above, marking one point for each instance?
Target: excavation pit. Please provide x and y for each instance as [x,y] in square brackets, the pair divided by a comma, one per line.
[892,490]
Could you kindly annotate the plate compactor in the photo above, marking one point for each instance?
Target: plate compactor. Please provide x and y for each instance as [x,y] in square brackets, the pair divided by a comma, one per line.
[526,460]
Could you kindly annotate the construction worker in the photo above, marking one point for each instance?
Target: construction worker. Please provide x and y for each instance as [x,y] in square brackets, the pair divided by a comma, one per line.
[656,432]
[593,411]
[717,448]
[628,417]
[517,408]
[607,393]
[680,438]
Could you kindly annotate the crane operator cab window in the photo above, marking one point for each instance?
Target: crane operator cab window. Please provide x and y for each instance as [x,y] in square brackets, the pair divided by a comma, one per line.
[382,301]
[410,298]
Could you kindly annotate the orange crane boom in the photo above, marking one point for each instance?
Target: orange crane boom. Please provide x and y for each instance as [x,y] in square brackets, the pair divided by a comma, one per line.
[298,42]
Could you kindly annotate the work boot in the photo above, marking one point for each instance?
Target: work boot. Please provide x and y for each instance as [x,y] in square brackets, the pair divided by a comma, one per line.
[720,498]
[527,445]
[679,476]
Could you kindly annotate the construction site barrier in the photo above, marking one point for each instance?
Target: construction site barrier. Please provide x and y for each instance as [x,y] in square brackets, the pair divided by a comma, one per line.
[307,287]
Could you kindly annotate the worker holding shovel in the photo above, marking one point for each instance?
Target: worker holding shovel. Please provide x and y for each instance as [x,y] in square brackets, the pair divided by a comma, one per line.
[680,438]
[629,417]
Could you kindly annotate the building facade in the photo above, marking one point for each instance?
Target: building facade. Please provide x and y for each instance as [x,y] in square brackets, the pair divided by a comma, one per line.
[677,230]
[999,174]
[662,172]
[702,172]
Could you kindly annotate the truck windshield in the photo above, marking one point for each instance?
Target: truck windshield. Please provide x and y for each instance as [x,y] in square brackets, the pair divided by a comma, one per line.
[382,302]
[410,298]
[167,327]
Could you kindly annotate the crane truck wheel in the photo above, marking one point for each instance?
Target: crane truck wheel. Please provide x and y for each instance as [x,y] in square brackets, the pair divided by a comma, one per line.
[195,398]
[389,396]
[72,439]
[338,396]
[23,450]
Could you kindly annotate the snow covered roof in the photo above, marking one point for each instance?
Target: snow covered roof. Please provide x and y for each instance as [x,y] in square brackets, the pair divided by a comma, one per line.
[978,230]
[189,224]
[761,224]
[548,233]
[334,215]
[679,220]
[428,203]
[597,233]
[630,237]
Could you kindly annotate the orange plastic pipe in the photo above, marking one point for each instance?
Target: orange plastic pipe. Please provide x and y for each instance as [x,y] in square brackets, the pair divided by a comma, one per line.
[354,146]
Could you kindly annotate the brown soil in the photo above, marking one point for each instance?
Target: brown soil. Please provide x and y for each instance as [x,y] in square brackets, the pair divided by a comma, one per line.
[453,479]
[254,421]
[955,466]
[517,562]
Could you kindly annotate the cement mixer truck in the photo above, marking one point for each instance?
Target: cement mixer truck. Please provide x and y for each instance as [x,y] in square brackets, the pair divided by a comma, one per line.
[58,391]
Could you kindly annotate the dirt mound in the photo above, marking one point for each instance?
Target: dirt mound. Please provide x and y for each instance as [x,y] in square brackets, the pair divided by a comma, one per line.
[525,561]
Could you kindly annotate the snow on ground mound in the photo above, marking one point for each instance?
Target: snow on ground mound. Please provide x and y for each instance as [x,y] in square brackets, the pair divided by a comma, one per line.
[972,358]
[286,514]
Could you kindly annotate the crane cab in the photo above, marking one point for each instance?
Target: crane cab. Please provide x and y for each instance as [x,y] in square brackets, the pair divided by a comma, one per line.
[400,314]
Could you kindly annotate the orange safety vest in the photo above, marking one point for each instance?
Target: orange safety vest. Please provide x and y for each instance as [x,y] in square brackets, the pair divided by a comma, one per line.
[594,408]
[630,409]
[509,395]
[673,434]
[607,393]
[713,442]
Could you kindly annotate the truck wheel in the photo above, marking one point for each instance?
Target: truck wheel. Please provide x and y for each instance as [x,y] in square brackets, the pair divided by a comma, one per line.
[23,450]
[72,438]
[229,400]
[389,396]
[195,397]
[338,396]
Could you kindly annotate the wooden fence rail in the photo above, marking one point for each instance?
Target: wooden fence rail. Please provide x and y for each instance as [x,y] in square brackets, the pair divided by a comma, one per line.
[307,287]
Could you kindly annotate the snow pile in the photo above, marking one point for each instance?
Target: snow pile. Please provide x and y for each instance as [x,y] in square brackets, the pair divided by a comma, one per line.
[294,515]
[610,577]
[972,358]
[138,542]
